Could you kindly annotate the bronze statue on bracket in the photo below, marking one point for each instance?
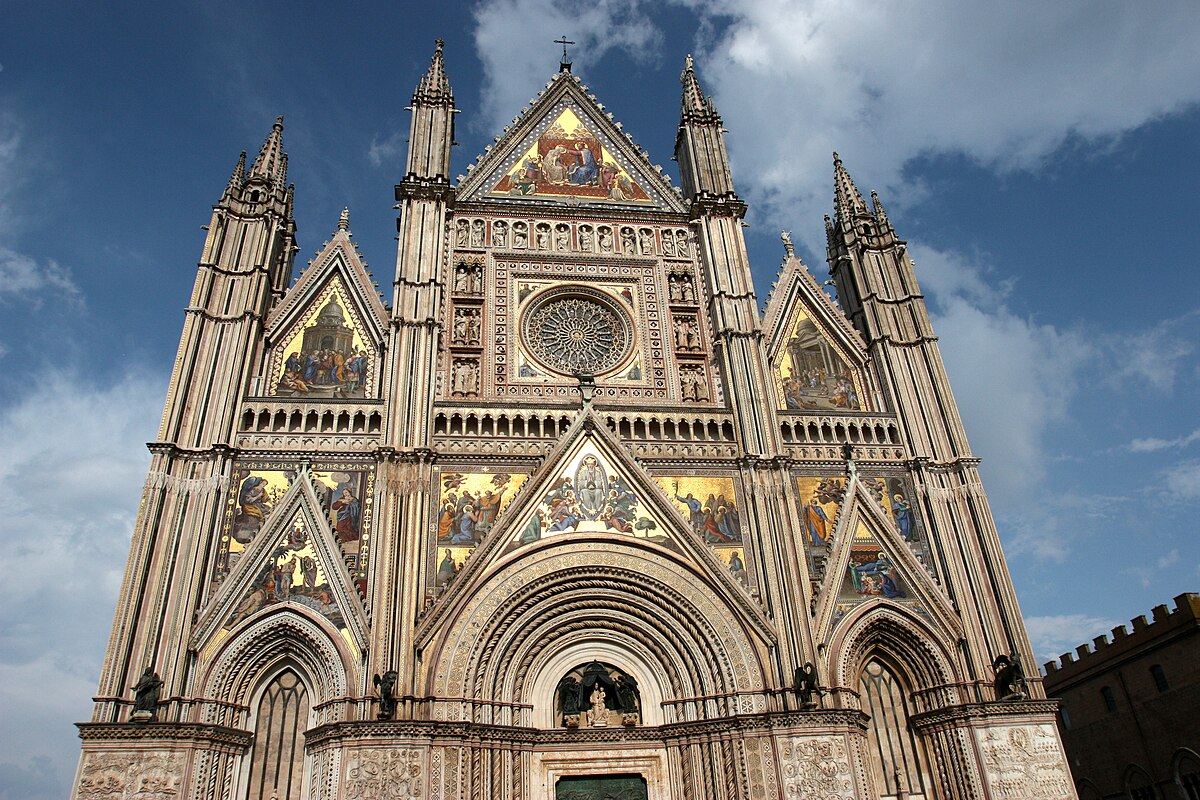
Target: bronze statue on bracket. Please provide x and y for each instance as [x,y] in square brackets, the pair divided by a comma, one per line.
[386,686]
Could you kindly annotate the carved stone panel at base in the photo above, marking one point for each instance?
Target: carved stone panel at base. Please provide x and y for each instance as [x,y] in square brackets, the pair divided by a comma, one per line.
[1024,762]
[816,766]
[117,776]
[397,774]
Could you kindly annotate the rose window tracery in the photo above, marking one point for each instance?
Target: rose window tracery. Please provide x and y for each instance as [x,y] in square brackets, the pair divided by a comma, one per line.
[577,332]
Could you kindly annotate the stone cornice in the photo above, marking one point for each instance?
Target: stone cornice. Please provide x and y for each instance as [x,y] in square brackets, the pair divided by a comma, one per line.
[334,733]
[725,205]
[165,732]
[1010,712]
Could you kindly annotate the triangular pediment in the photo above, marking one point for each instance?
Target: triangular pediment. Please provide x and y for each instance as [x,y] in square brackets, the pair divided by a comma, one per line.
[565,148]
[817,358]
[869,561]
[589,484]
[295,560]
[325,333]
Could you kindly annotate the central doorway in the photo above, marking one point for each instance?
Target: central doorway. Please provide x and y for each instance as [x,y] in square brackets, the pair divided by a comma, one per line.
[600,787]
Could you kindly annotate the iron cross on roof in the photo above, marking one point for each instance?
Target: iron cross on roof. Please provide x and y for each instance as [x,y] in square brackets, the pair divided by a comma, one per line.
[565,64]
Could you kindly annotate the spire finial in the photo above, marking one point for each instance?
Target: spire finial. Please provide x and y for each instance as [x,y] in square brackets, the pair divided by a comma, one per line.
[847,200]
[565,64]
[788,247]
[344,220]
[694,101]
[238,178]
[268,161]
[434,84]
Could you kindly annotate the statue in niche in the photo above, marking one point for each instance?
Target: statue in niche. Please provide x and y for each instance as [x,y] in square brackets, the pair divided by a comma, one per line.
[681,243]
[145,698]
[686,293]
[585,239]
[686,335]
[807,685]
[562,238]
[465,378]
[520,236]
[568,696]
[543,237]
[477,228]
[628,693]
[628,245]
[597,715]
[668,244]
[499,234]
[606,240]
[692,385]
[646,241]
[462,232]
[460,278]
[386,686]
[673,292]
[1010,678]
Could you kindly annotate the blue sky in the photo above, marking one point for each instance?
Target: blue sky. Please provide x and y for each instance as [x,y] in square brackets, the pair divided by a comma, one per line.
[1041,159]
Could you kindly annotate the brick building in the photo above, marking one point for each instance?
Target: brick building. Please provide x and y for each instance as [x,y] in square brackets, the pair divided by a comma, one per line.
[1129,707]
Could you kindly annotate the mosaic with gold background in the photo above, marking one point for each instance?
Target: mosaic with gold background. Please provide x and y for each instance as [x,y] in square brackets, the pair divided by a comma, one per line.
[259,486]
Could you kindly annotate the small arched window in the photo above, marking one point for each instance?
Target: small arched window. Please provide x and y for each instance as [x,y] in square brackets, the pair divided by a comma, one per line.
[1066,718]
[1160,678]
[1110,700]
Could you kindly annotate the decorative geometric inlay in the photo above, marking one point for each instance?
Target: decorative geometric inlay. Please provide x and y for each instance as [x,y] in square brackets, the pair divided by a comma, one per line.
[575,331]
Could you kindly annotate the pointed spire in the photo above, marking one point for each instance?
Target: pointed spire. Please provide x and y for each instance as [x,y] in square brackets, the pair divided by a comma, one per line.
[344,220]
[846,198]
[267,164]
[694,101]
[434,85]
[238,178]
[880,214]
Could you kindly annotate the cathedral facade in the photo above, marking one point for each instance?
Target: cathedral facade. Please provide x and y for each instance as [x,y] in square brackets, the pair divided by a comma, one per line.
[572,516]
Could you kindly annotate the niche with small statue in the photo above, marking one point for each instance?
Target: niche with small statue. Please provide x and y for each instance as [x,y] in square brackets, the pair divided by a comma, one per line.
[597,695]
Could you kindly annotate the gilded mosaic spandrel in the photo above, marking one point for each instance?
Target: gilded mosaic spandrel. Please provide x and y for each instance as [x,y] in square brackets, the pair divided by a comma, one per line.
[567,160]
[326,355]
[259,486]
[812,374]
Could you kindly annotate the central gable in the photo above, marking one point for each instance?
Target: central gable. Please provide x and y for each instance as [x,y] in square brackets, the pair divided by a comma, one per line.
[565,148]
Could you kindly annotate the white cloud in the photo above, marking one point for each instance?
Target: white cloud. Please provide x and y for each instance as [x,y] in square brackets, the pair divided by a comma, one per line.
[1152,444]
[1004,84]
[1062,633]
[991,352]
[21,276]
[388,151]
[1182,481]
[72,459]
[514,70]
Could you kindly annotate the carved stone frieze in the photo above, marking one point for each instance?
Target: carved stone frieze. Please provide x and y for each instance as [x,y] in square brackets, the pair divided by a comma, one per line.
[141,775]
[379,773]
[1024,762]
[816,766]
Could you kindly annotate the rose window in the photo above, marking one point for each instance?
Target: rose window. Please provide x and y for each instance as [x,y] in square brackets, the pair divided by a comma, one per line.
[580,332]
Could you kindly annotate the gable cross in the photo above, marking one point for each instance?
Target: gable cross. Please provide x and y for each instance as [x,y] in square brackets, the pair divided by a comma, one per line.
[565,64]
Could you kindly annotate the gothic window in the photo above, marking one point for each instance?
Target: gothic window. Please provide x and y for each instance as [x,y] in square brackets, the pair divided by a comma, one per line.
[1187,774]
[1160,678]
[1066,718]
[895,752]
[1138,785]
[277,760]
[1110,700]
